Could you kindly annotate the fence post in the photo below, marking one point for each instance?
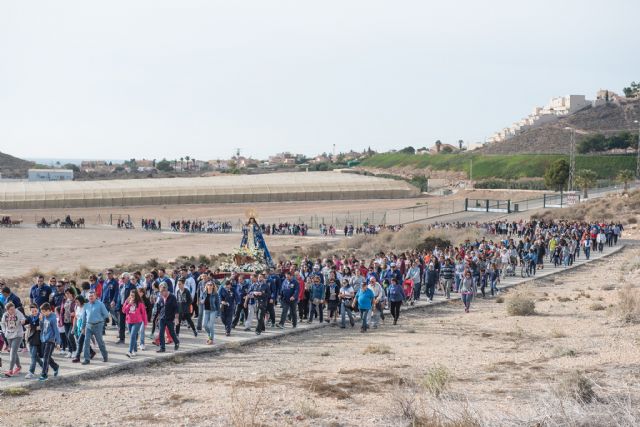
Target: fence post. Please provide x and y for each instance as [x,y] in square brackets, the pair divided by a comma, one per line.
[486,204]
[466,205]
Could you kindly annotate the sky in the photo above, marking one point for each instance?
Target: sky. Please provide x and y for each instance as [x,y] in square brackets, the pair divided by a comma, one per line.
[158,78]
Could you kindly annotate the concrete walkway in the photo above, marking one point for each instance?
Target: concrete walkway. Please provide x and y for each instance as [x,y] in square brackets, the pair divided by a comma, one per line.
[189,345]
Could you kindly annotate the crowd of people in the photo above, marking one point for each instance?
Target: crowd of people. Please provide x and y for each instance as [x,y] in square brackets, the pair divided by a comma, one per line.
[285,228]
[200,226]
[341,290]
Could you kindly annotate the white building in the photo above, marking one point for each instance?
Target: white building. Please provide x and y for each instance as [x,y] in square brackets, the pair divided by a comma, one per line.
[50,175]
[557,107]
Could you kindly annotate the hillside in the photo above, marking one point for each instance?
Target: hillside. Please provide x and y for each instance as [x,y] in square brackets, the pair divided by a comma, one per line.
[553,138]
[13,167]
[494,166]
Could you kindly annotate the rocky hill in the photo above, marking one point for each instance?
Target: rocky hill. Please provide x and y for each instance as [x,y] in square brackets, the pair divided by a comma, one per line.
[553,138]
[13,167]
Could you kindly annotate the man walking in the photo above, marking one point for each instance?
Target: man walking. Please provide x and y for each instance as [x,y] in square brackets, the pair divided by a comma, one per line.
[168,317]
[93,318]
[289,292]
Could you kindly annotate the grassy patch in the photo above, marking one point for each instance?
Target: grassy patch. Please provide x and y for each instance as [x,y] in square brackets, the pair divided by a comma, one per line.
[501,166]
[377,349]
[436,381]
[14,391]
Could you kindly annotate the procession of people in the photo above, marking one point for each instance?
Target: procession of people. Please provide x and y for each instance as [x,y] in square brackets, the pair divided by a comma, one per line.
[69,319]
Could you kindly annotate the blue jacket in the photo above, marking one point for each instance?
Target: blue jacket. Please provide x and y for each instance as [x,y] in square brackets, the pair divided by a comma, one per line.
[317,291]
[396,293]
[49,329]
[110,292]
[227,296]
[240,289]
[214,301]
[167,311]
[40,295]
[365,299]
[290,289]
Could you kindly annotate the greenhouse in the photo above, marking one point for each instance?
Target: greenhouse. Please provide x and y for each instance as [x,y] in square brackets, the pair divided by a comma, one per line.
[276,187]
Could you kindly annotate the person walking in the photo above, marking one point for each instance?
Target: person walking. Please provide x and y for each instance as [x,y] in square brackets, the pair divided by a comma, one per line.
[468,288]
[12,326]
[168,316]
[228,304]
[94,316]
[446,276]
[33,339]
[136,317]
[185,305]
[346,296]
[364,298]
[49,337]
[396,297]
[289,293]
[211,308]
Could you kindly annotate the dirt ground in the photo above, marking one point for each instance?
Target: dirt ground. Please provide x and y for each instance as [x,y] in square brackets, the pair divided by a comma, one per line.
[498,370]
[100,245]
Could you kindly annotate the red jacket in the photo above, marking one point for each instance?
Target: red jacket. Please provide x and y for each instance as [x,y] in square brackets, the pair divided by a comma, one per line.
[135,314]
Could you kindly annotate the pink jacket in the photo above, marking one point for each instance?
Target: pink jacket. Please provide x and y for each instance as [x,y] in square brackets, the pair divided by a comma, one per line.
[134,314]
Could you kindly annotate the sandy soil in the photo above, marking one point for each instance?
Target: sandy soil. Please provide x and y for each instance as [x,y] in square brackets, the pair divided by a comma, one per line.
[51,250]
[502,369]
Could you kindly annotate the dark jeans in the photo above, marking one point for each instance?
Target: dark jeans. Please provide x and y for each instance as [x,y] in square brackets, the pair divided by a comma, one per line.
[47,360]
[395,309]
[187,318]
[81,346]
[317,310]
[71,340]
[431,290]
[226,315]
[239,310]
[122,319]
[162,324]
[303,309]
[262,311]
[36,357]
[417,287]
[271,309]
[289,307]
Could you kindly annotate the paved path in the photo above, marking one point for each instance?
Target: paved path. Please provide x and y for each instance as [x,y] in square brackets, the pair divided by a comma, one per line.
[190,345]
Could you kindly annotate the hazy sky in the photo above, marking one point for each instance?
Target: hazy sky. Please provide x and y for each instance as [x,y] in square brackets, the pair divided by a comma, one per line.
[120,79]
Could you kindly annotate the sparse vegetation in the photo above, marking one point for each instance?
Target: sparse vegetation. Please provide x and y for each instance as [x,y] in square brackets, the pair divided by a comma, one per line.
[436,381]
[521,304]
[377,349]
[557,333]
[577,387]
[596,306]
[628,307]
[14,391]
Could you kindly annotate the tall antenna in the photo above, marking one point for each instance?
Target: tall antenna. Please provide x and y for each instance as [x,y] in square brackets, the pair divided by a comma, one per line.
[238,151]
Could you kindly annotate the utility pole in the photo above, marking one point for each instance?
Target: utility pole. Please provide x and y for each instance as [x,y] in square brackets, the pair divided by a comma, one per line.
[638,152]
[572,158]
[471,170]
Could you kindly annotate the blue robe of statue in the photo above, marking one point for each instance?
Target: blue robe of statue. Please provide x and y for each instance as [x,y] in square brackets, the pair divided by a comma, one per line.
[258,241]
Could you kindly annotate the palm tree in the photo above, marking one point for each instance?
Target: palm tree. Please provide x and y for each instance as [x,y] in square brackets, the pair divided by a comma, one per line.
[181,164]
[586,179]
[187,159]
[625,176]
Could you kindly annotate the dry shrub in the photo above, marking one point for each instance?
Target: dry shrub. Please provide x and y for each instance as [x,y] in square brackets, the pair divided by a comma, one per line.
[556,333]
[577,387]
[377,349]
[521,304]
[628,307]
[436,381]
[596,306]
[564,299]
[499,299]
[309,410]
[564,352]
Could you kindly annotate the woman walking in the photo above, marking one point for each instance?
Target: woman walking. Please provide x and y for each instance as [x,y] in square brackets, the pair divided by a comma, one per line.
[211,303]
[468,289]
[135,317]
[396,297]
[12,322]
[67,315]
